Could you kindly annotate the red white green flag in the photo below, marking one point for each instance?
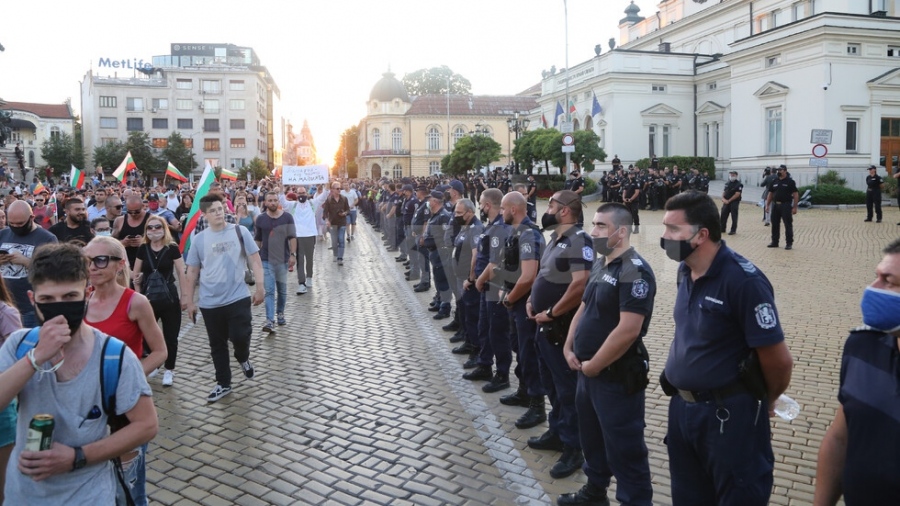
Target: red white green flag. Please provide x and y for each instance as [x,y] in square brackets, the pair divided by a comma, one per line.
[76,177]
[174,173]
[38,188]
[206,180]
[126,165]
[227,174]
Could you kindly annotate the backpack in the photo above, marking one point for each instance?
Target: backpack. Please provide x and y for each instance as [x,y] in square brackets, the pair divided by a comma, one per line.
[111,356]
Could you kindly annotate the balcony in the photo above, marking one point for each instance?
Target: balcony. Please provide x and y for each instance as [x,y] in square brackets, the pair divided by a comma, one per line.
[385,152]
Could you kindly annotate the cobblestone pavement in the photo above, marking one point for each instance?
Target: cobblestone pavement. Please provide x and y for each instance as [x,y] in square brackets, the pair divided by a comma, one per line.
[358,400]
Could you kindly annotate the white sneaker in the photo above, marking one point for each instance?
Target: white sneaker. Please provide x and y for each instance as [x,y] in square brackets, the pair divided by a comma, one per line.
[153,373]
[308,282]
[301,289]
[168,377]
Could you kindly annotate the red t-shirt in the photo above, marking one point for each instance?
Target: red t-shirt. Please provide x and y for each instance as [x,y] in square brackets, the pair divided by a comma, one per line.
[119,326]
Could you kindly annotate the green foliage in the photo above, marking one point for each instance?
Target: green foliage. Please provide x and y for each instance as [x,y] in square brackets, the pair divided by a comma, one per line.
[832,194]
[349,147]
[178,153]
[704,164]
[890,186]
[110,155]
[471,153]
[535,150]
[832,177]
[557,182]
[587,150]
[433,81]
[60,153]
[257,169]
[143,154]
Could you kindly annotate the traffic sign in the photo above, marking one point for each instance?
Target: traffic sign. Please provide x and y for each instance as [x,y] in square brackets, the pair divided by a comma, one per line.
[818,162]
[818,136]
[819,150]
[566,127]
[568,149]
[568,140]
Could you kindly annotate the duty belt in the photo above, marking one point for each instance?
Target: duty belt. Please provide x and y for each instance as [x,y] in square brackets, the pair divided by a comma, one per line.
[711,395]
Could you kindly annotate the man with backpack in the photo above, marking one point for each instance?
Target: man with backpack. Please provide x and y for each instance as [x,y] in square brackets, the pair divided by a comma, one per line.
[77,468]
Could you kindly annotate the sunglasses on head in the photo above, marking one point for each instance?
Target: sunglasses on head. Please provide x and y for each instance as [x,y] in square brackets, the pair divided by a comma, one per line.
[102,261]
[154,227]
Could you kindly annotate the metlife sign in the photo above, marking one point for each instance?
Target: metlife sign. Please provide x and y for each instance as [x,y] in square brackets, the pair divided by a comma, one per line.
[133,63]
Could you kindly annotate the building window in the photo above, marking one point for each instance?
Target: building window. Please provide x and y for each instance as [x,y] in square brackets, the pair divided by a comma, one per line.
[185,123]
[211,105]
[853,49]
[711,86]
[238,163]
[160,142]
[160,103]
[236,85]
[376,139]
[397,140]
[815,7]
[210,144]
[879,6]
[852,135]
[773,61]
[184,84]
[106,141]
[134,104]
[588,123]
[236,124]
[184,104]
[666,130]
[238,143]
[109,123]
[161,123]
[108,101]
[779,18]
[652,140]
[658,88]
[398,171]
[773,130]
[893,51]
[236,105]
[762,23]
[135,124]
[211,86]
[458,133]
[54,132]
[798,11]
[433,137]
[575,125]
[188,143]
[434,168]
[210,125]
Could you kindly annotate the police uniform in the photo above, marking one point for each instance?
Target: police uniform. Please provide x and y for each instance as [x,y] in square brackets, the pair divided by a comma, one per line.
[873,196]
[718,436]
[464,244]
[630,189]
[611,404]
[419,265]
[658,193]
[566,253]
[731,208]
[782,191]
[406,215]
[434,241]
[532,200]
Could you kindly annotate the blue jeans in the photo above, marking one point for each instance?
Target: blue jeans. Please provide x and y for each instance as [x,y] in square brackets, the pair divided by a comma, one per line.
[337,241]
[275,277]
[135,479]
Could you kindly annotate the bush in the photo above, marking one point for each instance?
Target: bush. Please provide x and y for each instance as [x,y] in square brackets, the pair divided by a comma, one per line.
[832,194]
[556,183]
[704,164]
[890,187]
[832,178]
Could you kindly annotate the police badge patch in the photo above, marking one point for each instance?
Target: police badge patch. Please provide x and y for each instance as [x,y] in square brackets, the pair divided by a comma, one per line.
[587,253]
[765,316]
[495,242]
[526,248]
[640,289]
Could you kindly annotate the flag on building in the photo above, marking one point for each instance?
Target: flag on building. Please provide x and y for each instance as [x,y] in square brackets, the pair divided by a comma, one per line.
[571,106]
[76,177]
[229,175]
[206,180]
[543,120]
[559,112]
[174,173]
[595,107]
[126,165]
[38,188]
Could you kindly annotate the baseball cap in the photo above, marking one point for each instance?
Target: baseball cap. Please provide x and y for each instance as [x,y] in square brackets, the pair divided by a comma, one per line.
[421,188]
[782,167]
[406,187]
[458,186]
[153,196]
[872,167]
[437,194]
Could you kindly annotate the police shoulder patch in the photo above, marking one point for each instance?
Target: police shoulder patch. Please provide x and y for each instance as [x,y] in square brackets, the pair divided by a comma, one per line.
[495,242]
[765,316]
[747,265]
[640,289]
[637,261]
[526,247]
[587,253]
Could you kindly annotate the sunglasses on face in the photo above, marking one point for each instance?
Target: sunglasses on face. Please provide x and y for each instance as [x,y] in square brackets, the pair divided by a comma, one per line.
[102,261]
[154,227]
[117,208]
[36,201]
[135,212]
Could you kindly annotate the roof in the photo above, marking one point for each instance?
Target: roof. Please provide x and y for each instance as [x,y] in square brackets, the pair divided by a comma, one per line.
[466,105]
[533,91]
[41,110]
[388,88]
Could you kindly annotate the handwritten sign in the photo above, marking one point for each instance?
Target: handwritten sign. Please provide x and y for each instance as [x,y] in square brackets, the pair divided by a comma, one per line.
[304,174]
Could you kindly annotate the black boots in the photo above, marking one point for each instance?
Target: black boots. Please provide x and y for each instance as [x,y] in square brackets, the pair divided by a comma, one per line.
[535,415]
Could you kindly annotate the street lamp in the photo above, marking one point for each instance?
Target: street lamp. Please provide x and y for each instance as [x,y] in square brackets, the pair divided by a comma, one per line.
[517,125]
[480,131]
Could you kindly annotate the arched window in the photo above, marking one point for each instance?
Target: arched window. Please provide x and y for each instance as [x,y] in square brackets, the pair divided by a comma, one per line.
[376,171]
[575,125]
[487,131]
[376,139]
[434,138]
[434,168]
[588,123]
[458,133]
[398,171]
[397,140]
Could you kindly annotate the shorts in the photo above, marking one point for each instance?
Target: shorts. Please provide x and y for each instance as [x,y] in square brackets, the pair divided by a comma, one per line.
[8,424]
[351,218]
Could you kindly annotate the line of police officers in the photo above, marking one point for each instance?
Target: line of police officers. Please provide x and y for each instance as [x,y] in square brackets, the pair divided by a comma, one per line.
[574,310]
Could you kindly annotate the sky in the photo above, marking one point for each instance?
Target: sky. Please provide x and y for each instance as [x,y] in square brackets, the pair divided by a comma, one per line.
[325,55]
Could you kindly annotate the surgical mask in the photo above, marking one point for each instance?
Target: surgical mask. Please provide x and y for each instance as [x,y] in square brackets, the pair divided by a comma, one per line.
[549,220]
[73,311]
[302,198]
[602,247]
[24,229]
[733,178]
[881,309]
[678,250]
[103,233]
[155,235]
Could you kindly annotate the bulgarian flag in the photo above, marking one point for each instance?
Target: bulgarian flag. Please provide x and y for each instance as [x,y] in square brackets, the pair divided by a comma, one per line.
[227,174]
[52,203]
[126,165]
[206,180]
[174,173]
[543,120]
[38,188]
[76,178]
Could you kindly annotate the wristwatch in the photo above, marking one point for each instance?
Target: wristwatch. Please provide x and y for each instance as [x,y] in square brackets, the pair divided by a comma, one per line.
[550,312]
[293,254]
[80,459]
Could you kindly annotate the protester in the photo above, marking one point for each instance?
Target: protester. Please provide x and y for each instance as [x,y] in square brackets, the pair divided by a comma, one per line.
[10,321]
[17,245]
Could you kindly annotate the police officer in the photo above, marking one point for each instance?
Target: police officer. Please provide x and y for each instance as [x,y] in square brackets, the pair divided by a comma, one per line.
[654,162]
[530,207]
[700,181]
[731,202]
[465,245]
[421,266]
[520,260]
[631,190]
[874,183]
[434,240]
[531,196]
[605,345]
[453,193]
[658,192]
[576,183]
[493,318]
[615,181]
[768,178]
[673,183]
[616,162]
[555,296]
[783,197]
[718,435]
[404,221]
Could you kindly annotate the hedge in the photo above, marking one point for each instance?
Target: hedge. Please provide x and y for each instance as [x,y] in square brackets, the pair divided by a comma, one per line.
[556,183]
[702,163]
[831,194]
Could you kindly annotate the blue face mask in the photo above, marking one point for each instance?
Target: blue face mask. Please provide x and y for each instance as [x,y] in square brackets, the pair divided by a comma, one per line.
[881,309]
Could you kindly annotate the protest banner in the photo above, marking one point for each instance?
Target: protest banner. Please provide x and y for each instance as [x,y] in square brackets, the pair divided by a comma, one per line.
[304,174]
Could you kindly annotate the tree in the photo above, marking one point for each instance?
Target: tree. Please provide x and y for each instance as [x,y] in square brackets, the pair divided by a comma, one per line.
[587,150]
[535,149]
[178,153]
[472,153]
[142,153]
[59,152]
[433,81]
[349,146]
[109,155]
[257,169]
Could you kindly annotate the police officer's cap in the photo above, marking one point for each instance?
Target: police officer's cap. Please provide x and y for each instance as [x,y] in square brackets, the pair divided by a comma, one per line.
[437,194]
[422,188]
[406,187]
[458,186]
[872,167]
[782,167]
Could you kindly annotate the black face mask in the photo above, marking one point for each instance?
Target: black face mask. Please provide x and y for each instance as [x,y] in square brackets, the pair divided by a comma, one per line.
[678,250]
[484,216]
[24,229]
[302,198]
[459,220]
[602,247]
[73,311]
[549,220]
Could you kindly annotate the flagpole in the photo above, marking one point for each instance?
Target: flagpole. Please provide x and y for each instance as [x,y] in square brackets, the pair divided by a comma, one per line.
[568,109]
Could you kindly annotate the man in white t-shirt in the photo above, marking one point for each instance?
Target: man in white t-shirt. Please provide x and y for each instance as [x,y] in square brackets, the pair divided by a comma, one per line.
[352,199]
[303,209]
